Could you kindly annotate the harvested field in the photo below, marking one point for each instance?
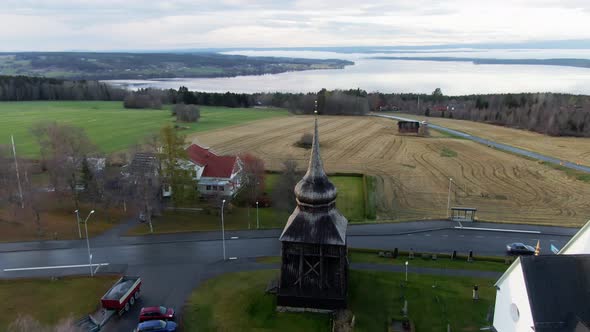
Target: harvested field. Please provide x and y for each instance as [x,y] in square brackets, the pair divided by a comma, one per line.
[572,149]
[412,176]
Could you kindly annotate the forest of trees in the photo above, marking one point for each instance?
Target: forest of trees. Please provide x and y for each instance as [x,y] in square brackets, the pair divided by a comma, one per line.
[547,113]
[21,88]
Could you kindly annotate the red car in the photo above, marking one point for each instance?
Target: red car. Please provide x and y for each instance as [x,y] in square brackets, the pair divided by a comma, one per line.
[156,313]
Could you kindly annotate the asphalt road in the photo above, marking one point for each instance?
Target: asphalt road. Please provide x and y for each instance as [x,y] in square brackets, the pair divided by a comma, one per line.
[171,266]
[497,145]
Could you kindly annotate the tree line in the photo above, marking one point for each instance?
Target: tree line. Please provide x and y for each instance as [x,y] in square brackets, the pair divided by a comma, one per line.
[548,113]
[23,88]
[553,114]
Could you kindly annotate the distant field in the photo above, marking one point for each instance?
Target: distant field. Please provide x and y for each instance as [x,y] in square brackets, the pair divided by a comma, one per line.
[108,124]
[412,173]
[572,149]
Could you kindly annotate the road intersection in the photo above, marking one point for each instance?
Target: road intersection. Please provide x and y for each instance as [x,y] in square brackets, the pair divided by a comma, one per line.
[171,265]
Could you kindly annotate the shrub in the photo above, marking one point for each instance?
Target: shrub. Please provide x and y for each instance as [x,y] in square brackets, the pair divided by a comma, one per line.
[186,113]
[305,141]
[135,100]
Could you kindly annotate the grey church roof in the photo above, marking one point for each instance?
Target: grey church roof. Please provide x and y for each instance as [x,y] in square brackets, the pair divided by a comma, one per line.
[315,220]
[315,188]
[558,287]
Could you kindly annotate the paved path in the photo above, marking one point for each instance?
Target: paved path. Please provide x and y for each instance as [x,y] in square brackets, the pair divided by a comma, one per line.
[500,146]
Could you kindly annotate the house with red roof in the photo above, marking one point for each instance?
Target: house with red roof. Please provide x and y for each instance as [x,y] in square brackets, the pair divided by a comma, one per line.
[216,175]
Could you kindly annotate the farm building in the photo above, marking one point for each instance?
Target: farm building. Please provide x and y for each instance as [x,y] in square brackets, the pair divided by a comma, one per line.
[215,174]
[404,127]
[413,127]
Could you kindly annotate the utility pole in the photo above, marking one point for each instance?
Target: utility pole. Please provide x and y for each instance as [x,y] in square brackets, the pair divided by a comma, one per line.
[257,220]
[88,243]
[78,221]
[223,229]
[20,189]
[449,198]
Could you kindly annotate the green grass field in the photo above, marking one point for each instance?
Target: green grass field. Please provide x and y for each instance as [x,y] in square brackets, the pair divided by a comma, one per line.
[50,301]
[110,126]
[237,302]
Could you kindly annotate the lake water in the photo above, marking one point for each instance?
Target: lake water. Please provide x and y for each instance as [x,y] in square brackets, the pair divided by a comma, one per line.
[454,78]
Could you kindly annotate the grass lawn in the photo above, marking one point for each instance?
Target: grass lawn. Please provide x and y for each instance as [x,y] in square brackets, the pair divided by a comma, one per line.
[376,297]
[108,124]
[195,221]
[51,301]
[418,261]
[237,302]
[361,256]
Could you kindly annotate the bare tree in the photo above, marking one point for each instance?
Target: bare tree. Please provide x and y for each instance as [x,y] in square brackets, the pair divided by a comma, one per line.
[143,185]
[63,149]
[253,180]
[283,195]
[36,200]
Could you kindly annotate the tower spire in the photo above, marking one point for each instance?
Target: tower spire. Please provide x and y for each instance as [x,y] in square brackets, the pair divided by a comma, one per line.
[316,167]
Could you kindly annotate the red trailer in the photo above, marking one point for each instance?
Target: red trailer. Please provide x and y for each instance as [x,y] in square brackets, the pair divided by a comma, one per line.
[122,295]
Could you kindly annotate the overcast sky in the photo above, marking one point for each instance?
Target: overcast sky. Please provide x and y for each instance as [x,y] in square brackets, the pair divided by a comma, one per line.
[54,25]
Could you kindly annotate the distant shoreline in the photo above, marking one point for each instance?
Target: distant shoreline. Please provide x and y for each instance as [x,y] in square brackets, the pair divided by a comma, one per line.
[564,62]
[141,66]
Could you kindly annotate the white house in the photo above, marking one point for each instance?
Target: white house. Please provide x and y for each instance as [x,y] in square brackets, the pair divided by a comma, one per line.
[216,175]
[579,243]
[547,293]
[544,293]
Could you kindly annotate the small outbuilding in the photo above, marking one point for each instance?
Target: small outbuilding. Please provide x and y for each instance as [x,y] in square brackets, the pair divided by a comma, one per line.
[463,214]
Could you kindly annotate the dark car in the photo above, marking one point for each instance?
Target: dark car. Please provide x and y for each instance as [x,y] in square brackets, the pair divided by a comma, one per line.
[156,326]
[520,249]
[156,313]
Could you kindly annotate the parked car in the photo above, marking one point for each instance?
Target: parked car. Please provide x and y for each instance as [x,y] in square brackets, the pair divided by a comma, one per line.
[156,326]
[520,249]
[156,313]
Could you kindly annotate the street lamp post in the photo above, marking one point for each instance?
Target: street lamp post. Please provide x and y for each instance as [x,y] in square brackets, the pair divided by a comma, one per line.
[223,229]
[88,243]
[78,222]
[406,271]
[449,198]
[257,220]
